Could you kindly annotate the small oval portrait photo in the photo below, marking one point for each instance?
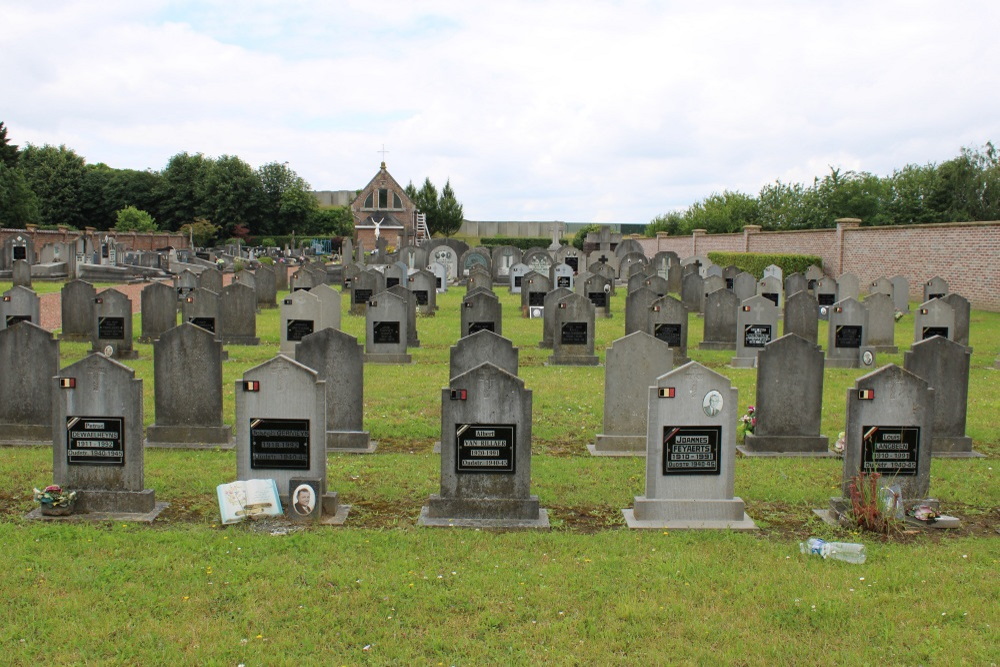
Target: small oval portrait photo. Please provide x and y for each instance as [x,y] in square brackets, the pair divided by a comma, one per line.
[712,403]
[304,499]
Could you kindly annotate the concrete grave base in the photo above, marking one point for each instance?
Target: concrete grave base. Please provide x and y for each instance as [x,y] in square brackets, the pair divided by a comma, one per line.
[492,509]
[334,514]
[189,437]
[573,361]
[542,522]
[786,445]
[884,349]
[25,434]
[350,442]
[943,522]
[954,448]
[842,363]
[689,514]
[743,362]
[387,358]
[116,502]
[618,445]
[788,455]
[548,346]
[138,517]
[121,354]
[716,345]
[78,337]
[240,340]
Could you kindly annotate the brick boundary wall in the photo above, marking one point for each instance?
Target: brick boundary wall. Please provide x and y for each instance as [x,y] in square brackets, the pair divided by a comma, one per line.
[134,240]
[966,254]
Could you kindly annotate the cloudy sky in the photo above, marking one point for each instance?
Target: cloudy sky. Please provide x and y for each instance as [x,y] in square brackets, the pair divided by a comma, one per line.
[603,111]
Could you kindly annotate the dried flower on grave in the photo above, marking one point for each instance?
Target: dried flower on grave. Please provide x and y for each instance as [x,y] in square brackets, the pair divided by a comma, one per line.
[924,513]
[54,495]
[838,446]
[869,511]
[748,423]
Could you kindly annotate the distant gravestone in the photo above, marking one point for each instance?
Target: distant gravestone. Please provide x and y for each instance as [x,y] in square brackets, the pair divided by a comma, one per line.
[395,274]
[19,304]
[485,454]
[476,257]
[412,340]
[827,291]
[629,261]
[440,272]
[802,316]
[934,318]
[448,258]
[693,292]
[789,400]
[756,326]
[281,275]
[504,257]
[637,305]
[880,285]
[97,439]
[963,311]
[668,321]
[813,274]
[266,286]
[537,259]
[847,286]
[569,256]
[599,289]
[795,282]
[482,347]
[573,332]
[479,276]
[774,271]
[348,273]
[944,365]
[515,276]
[338,360]
[185,283]
[329,299]
[421,283]
[562,275]
[713,284]
[847,336]
[881,323]
[21,273]
[481,310]
[245,277]
[29,357]
[770,288]
[721,309]
[744,286]
[386,330]
[301,315]
[632,365]
[77,306]
[690,454]
[201,308]
[158,310]
[662,261]
[901,293]
[364,286]
[113,328]
[238,314]
[187,379]
[729,275]
[549,317]
[318,272]
[280,430]
[302,279]
[210,279]
[534,287]
[935,288]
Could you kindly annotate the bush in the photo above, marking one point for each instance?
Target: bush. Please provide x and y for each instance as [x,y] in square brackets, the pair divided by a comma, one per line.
[523,243]
[132,219]
[581,235]
[755,263]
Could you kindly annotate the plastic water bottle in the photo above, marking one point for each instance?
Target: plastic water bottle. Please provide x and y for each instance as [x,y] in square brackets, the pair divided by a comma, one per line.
[845,551]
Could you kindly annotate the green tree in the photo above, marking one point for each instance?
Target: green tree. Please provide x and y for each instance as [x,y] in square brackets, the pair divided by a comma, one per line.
[180,190]
[132,219]
[288,203]
[8,151]
[55,175]
[426,199]
[201,231]
[18,204]
[721,214]
[581,235]
[672,223]
[449,214]
[333,221]
[232,196]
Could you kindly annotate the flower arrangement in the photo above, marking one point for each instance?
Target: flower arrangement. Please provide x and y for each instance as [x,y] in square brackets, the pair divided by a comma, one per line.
[898,315]
[54,500]
[924,513]
[748,423]
[870,509]
[838,447]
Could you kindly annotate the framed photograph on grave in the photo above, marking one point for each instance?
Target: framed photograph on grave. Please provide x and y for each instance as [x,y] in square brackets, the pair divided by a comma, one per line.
[304,499]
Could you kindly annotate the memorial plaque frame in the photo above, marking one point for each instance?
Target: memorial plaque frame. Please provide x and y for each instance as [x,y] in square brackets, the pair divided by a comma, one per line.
[467,454]
[258,444]
[116,442]
[709,439]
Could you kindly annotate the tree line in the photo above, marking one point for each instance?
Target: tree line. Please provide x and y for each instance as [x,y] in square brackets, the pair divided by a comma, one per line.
[963,189]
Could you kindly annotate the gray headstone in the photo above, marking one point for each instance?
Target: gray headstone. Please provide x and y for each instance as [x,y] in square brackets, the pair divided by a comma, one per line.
[504,257]
[301,315]
[479,277]
[628,247]
[963,311]
[97,438]
[881,323]
[657,284]
[245,277]
[476,257]
[744,286]
[569,256]
[813,275]
[266,284]
[690,454]
[934,318]
[789,402]
[573,332]
[210,279]
[338,359]
[29,357]
[693,292]
[629,261]
[187,379]
[795,282]
[158,310]
[20,304]
[668,321]
[484,346]
[364,286]
[281,275]
[632,365]
[880,285]
[201,308]
[599,289]
[485,454]
[21,273]
[238,313]
[514,277]
[721,309]
[847,286]
[662,262]
[901,293]
[440,273]
[412,340]
[935,288]
[637,305]
[330,308]
[448,258]
[756,326]
[303,279]
[77,305]
[770,287]
[561,275]
[537,259]
[802,316]
[185,283]
[827,291]
[481,310]
[534,287]
[395,274]
[549,318]
[773,271]
[386,329]
[280,428]
[421,283]
[113,328]
[847,336]
[944,365]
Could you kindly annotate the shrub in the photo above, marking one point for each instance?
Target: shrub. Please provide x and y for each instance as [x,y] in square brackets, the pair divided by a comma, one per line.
[754,263]
[523,243]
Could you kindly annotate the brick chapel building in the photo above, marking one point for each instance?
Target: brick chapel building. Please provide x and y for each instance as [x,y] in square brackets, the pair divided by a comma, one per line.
[383,210]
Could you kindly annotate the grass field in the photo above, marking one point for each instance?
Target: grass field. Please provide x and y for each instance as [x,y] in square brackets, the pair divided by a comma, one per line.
[381,591]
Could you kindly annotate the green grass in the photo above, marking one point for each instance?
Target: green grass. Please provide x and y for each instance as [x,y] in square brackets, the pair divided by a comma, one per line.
[186,591]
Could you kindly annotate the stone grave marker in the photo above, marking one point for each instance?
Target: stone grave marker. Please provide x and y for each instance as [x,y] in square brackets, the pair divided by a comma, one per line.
[395,274]
[479,256]
[303,279]
[813,275]
[210,279]
[364,286]
[693,292]
[281,275]
[881,323]
[440,273]
[515,275]
[301,315]
[963,312]
[479,277]
[386,329]
[537,259]
[847,286]
[729,274]
[826,292]
[637,305]
[485,454]
[185,283]
[847,336]
[97,440]
[901,293]
[484,346]
[662,262]
[744,286]
[201,308]
[773,271]
[605,270]
[338,360]
[944,365]
[448,258]
[348,273]
[635,281]
[935,288]
[318,271]
[187,379]
[280,430]
[415,258]
[238,314]
[29,357]
[599,289]
[481,310]
[77,306]
[668,321]
[627,247]
[21,273]
[789,400]
[657,284]
[329,299]
[245,277]
[721,308]
[113,328]
[632,365]
[573,332]
[802,316]
[504,257]
[880,285]
[770,287]
[562,275]
[714,270]
[675,277]
[629,261]
[549,315]
[421,283]
[534,287]
[412,340]
[756,326]
[19,304]
[713,284]
[266,285]
[795,282]
[158,310]
[934,318]
[690,454]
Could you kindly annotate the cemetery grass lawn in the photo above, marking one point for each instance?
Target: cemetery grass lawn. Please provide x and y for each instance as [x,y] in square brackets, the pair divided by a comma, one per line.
[381,591]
